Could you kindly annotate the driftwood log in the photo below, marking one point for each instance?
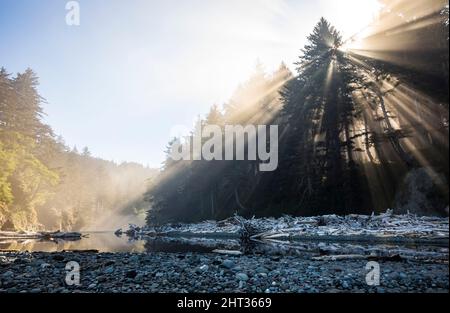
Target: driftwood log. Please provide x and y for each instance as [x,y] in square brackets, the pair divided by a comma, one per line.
[228,252]
[41,235]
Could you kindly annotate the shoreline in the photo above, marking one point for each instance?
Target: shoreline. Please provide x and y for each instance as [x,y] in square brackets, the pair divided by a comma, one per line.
[326,254]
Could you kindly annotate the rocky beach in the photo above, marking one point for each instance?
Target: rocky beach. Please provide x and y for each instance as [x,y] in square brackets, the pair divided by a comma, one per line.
[329,254]
[22,272]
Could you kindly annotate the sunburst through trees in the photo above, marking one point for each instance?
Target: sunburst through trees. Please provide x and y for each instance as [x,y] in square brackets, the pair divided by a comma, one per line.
[363,127]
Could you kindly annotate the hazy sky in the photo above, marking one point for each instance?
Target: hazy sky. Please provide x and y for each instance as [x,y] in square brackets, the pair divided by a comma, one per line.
[133,70]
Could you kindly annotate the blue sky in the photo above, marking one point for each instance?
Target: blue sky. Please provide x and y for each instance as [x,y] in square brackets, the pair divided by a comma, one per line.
[133,70]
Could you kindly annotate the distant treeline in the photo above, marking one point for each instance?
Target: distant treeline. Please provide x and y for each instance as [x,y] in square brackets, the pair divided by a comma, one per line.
[43,183]
[362,129]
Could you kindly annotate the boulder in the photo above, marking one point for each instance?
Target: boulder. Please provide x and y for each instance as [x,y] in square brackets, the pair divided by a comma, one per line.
[8,226]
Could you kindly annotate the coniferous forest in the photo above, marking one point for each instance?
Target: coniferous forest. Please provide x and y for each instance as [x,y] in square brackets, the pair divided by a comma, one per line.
[361,131]
[46,185]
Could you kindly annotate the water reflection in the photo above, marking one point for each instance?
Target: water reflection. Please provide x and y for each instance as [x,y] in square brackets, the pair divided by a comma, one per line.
[101,241]
[108,242]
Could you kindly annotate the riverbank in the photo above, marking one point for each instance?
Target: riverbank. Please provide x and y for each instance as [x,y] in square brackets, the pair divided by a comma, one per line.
[22,272]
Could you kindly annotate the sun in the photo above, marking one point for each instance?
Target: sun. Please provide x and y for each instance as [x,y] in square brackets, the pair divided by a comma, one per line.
[352,17]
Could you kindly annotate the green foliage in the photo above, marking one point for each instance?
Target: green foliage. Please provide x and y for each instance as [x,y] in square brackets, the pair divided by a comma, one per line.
[7,165]
[25,178]
[43,184]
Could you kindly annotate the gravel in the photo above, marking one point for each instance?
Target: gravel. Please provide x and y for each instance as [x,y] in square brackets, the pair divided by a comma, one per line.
[165,272]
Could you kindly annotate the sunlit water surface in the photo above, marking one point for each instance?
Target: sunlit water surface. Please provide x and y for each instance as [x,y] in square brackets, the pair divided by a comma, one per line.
[108,242]
[101,241]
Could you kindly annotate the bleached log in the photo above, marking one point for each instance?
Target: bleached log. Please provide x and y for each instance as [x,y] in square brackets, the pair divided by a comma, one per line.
[228,252]
[275,236]
[340,257]
[41,235]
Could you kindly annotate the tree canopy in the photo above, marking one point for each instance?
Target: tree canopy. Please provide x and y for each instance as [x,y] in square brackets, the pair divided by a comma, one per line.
[350,141]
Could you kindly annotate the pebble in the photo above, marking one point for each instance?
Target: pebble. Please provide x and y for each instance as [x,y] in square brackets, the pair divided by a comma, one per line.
[165,272]
[228,264]
[403,275]
[8,274]
[242,276]
[262,270]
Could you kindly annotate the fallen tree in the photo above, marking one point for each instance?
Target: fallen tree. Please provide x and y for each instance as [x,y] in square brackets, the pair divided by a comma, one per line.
[57,235]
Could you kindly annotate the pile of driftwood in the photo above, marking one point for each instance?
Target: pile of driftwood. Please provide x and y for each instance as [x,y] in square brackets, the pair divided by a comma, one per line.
[383,226]
[386,226]
[57,235]
[333,237]
[132,232]
[250,236]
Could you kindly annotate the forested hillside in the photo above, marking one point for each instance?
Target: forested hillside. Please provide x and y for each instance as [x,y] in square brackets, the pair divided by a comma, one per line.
[46,185]
[363,127]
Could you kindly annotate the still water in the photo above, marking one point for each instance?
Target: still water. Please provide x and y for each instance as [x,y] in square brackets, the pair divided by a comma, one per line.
[108,242]
[102,241]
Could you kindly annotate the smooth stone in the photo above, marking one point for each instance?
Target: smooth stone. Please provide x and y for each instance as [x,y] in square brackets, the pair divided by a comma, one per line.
[242,276]
[8,274]
[228,264]
[134,258]
[403,275]
[262,270]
